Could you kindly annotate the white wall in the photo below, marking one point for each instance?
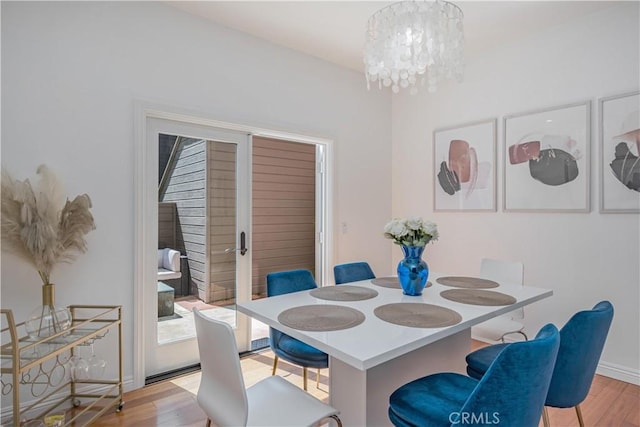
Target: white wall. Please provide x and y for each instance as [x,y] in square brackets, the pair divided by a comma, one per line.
[70,75]
[584,258]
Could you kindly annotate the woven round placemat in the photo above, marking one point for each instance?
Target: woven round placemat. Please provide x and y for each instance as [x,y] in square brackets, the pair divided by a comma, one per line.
[477,297]
[322,317]
[391,282]
[417,315]
[344,293]
[467,282]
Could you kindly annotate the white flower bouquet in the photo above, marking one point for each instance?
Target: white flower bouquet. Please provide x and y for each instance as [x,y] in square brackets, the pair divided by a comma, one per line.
[412,231]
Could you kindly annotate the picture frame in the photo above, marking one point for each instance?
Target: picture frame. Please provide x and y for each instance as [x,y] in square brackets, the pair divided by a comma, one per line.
[619,126]
[464,165]
[546,160]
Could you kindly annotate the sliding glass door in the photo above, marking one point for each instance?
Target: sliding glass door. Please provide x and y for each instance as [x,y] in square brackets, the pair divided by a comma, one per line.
[203,213]
[217,208]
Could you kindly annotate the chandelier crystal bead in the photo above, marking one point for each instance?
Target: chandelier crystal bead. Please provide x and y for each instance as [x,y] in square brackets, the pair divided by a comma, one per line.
[414,42]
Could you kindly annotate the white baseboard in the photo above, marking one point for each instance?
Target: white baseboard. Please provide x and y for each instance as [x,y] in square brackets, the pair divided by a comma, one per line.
[617,372]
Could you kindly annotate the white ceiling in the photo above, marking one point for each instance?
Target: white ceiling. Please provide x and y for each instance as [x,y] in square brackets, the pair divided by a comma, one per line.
[334,30]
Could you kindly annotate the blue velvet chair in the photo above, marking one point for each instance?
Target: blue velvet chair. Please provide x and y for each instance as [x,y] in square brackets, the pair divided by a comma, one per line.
[511,393]
[284,346]
[582,341]
[352,272]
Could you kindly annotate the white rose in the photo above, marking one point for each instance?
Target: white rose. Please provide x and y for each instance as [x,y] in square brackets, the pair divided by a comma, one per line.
[391,224]
[431,228]
[396,228]
[414,223]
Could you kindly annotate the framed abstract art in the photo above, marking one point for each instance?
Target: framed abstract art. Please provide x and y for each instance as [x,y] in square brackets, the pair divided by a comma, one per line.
[619,124]
[465,167]
[546,159]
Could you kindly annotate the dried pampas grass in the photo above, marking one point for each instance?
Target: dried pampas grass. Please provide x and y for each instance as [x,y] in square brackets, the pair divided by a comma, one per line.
[40,225]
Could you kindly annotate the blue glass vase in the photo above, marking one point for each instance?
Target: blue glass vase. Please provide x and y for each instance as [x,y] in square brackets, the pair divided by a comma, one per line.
[413,272]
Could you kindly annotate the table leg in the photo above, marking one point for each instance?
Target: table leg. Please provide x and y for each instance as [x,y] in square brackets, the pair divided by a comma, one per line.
[363,396]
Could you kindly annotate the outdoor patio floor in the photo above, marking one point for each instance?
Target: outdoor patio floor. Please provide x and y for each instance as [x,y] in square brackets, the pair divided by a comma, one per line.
[180,325]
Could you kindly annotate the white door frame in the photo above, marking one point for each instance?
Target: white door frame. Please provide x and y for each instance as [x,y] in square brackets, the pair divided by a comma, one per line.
[145,231]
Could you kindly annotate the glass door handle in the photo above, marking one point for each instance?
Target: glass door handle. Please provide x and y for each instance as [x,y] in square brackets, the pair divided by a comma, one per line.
[243,245]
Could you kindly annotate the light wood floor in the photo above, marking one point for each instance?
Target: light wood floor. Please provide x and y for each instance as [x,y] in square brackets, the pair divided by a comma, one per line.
[173,403]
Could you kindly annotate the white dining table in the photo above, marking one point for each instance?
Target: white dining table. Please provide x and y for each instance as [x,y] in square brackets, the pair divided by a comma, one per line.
[371,360]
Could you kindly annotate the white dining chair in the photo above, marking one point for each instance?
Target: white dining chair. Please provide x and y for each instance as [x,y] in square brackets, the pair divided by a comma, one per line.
[222,394]
[496,329]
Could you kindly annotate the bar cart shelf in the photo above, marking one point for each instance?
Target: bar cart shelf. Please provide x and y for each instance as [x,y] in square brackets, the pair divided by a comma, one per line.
[41,366]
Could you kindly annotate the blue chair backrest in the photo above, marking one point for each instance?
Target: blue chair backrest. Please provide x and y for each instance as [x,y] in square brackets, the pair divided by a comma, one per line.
[352,272]
[513,390]
[581,343]
[285,282]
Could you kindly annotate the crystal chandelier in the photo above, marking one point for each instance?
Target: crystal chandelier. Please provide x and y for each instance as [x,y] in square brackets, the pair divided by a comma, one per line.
[412,42]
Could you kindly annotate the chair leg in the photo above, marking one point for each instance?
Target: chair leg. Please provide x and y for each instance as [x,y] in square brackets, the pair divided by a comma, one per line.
[318,378]
[526,338]
[580,419]
[337,420]
[333,417]
[275,365]
[545,417]
[304,378]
